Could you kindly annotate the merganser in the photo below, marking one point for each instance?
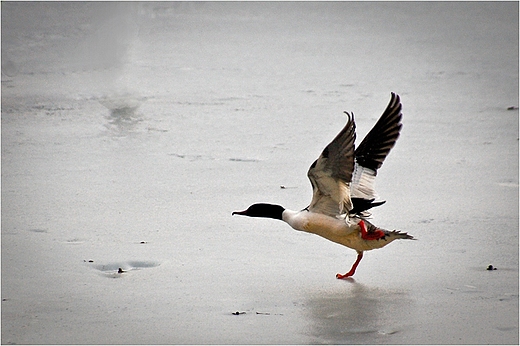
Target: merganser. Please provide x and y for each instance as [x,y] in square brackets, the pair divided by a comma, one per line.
[342,180]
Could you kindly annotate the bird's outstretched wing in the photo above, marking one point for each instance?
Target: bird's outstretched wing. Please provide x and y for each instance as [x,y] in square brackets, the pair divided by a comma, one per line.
[331,173]
[371,153]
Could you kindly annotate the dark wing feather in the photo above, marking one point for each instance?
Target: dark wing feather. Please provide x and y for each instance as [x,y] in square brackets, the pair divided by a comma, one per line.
[377,144]
[371,153]
[331,173]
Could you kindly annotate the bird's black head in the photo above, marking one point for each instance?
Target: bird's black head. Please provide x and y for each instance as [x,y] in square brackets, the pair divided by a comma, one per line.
[272,211]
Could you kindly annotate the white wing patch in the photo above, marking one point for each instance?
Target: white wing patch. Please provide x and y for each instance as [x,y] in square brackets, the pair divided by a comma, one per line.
[363,181]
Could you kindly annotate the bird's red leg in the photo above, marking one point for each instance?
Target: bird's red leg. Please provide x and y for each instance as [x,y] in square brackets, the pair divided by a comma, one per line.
[374,235]
[353,269]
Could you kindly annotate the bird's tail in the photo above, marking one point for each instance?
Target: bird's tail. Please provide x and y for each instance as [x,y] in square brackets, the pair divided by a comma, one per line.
[395,234]
[398,235]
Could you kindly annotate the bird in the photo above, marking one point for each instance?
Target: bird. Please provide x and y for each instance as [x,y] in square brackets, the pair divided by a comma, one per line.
[342,180]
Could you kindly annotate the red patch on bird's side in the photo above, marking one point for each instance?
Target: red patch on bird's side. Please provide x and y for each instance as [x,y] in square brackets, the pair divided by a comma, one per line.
[373,235]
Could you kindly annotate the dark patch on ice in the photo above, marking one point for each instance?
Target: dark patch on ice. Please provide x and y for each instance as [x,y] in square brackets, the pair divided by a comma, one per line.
[332,93]
[508,297]
[38,230]
[508,183]
[115,269]
[387,332]
[484,268]
[192,157]
[237,159]
[506,329]
[236,313]
[74,241]
[123,112]
[267,313]
[178,155]
[129,265]
[7,84]
[123,115]
[425,221]
[190,103]
[51,109]
[231,98]
[150,129]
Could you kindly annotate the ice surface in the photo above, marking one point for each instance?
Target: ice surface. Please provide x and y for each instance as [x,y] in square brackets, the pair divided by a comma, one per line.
[131,131]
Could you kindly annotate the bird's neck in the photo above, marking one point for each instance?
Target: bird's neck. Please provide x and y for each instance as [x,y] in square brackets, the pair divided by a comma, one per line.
[295,219]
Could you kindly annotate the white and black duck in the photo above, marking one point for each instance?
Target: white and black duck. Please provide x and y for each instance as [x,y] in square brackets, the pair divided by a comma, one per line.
[342,180]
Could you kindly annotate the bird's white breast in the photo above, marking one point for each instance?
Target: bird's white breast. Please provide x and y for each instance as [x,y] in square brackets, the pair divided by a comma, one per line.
[334,229]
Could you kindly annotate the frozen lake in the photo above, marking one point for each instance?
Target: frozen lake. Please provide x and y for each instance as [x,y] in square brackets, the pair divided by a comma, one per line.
[131,131]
